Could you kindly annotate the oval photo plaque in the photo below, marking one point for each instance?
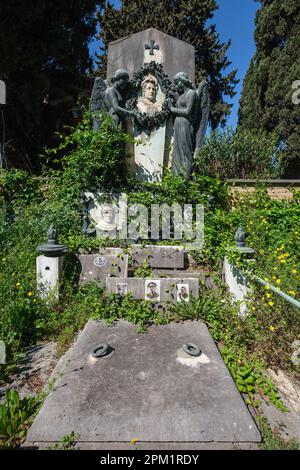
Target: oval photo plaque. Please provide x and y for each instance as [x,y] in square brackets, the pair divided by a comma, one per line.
[100,262]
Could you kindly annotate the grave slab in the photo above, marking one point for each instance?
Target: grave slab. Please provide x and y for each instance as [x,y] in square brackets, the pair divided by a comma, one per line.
[156,289]
[99,267]
[158,256]
[144,390]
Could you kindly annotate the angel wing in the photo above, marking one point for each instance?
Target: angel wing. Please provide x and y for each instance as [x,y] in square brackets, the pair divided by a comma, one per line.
[203,114]
[97,100]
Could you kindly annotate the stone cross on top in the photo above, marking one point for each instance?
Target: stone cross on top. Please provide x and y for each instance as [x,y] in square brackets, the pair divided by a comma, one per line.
[152,46]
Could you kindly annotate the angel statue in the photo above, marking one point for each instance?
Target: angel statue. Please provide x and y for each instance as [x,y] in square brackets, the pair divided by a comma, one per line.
[191,117]
[110,99]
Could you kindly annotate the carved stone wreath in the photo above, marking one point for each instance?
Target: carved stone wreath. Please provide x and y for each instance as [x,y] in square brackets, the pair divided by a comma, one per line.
[145,121]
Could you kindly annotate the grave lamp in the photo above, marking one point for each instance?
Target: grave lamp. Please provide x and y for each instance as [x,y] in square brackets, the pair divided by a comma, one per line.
[52,249]
[240,241]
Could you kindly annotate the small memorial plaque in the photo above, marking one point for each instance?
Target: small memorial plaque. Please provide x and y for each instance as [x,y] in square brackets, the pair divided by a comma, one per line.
[100,261]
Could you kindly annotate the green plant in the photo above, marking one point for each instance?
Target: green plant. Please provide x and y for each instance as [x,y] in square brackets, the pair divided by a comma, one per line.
[67,442]
[240,154]
[144,270]
[112,307]
[272,439]
[16,415]
[93,160]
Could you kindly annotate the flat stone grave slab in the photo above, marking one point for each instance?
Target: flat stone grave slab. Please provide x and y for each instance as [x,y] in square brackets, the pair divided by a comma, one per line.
[158,256]
[100,266]
[155,289]
[147,389]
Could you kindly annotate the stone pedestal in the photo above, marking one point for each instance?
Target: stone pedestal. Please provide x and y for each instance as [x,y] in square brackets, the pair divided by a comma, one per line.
[48,275]
[237,285]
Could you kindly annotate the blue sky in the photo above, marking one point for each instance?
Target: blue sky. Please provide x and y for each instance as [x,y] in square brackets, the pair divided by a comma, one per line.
[234,19]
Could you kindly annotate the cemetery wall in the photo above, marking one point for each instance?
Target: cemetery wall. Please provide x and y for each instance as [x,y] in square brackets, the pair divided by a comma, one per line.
[277,189]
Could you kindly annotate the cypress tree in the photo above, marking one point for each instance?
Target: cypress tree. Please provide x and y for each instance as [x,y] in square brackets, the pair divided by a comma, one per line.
[185,20]
[266,101]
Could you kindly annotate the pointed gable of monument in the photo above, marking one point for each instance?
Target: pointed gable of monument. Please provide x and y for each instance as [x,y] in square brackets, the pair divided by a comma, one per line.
[133,51]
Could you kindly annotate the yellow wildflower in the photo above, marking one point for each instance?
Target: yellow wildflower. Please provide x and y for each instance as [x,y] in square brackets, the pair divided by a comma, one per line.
[294,271]
[30,294]
[275,268]
[292,292]
[267,287]
[18,284]
[272,328]
[278,281]
[268,295]
[134,441]
[253,308]
[3,259]
[271,304]
[283,261]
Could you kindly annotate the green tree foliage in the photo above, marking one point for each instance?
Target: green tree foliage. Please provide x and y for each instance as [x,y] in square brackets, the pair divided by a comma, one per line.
[185,21]
[266,101]
[43,49]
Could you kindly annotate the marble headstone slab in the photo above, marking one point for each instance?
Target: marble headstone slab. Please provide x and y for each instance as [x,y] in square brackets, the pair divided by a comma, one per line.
[158,256]
[98,267]
[127,53]
[155,290]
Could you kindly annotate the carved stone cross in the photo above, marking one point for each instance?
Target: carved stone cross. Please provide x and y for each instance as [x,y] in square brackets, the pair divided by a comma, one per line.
[152,47]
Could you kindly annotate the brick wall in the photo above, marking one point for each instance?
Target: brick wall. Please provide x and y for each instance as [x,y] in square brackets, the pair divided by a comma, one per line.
[277,189]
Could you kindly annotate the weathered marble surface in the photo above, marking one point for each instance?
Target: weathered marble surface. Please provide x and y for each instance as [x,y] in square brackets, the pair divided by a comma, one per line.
[48,275]
[145,390]
[158,256]
[127,53]
[98,267]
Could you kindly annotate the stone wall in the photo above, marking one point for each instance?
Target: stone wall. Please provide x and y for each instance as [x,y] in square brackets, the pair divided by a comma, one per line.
[277,189]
